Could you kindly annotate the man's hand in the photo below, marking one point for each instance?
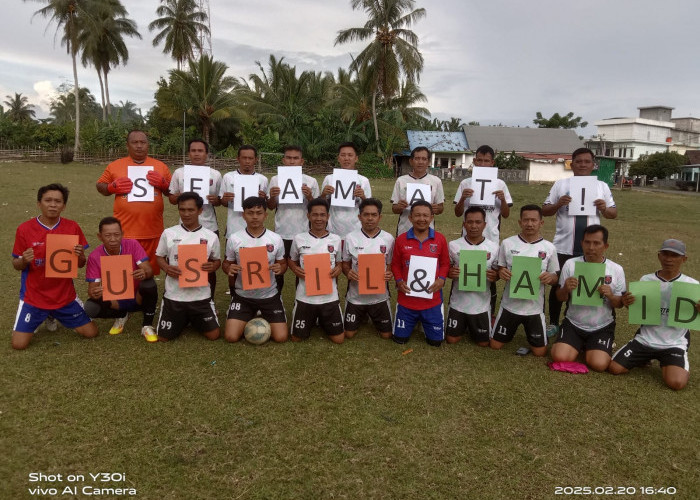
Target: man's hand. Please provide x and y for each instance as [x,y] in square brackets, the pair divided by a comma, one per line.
[209,266]
[401,286]
[79,251]
[227,198]
[139,274]
[548,278]
[275,192]
[492,275]
[500,195]
[353,276]
[453,273]
[157,180]
[172,271]
[439,283]
[234,269]
[504,274]
[466,193]
[359,193]
[327,191]
[335,272]
[306,191]
[122,185]
[563,201]
[570,284]
[628,299]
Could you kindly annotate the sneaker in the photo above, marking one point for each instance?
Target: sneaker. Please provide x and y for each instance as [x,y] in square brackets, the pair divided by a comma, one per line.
[149,333]
[118,326]
[51,324]
[552,330]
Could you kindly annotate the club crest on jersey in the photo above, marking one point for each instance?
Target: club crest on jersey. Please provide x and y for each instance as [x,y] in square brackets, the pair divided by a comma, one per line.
[542,255]
[382,248]
[331,248]
[433,247]
[608,279]
[488,255]
[203,240]
[270,247]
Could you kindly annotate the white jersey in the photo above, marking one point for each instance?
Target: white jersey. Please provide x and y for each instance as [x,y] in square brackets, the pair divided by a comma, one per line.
[436,193]
[343,220]
[307,244]
[541,249]
[356,243]
[167,247]
[471,302]
[208,215]
[275,251]
[291,219]
[493,213]
[663,336]
[569,228]
[234,220]
[591,318]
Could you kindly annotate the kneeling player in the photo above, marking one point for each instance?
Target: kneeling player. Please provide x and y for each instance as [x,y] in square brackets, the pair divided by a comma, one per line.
[590,328]
[420,240]
[529,313]
[370,239]
[111,235]
[668,344]
[47,296]
[324,308]
[194,305]
[245,303]
[471,311]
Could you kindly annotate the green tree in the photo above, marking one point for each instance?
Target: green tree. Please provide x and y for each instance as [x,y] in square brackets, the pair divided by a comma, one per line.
[101,40]
[509,161]
[204,92]
[179,23]
[558,121]
[18,108]
[62,107]
[393,50]
[65,14]
[658,165]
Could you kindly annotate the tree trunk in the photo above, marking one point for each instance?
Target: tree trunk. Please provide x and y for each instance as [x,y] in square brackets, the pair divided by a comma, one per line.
[76,92]
[102,93]
[374,119]
[109,105]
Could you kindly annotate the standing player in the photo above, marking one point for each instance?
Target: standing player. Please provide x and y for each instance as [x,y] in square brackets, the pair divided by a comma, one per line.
[369,239]
[113,243]
[420,240]
[322,308]
[141,221]
[245,303]
[590,328]
[247,159]
[516,312]
[198,152]
[569,228]
[469,311]
[420,161]
[47,296]
[291,219]
[343,220]
[668,344]
[194,305]
[485,158]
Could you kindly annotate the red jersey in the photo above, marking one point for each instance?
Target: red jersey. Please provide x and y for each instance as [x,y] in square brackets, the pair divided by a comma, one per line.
[141,220]
[40,291]
[435,245]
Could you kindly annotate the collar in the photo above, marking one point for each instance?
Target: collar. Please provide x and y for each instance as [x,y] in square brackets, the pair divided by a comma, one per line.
[259,236]
[371,237]
[411,235]
[191,230]
[529,242]
[47,227]
[483,238]
[320,237]
[107,253]
[665,280]
[421,177]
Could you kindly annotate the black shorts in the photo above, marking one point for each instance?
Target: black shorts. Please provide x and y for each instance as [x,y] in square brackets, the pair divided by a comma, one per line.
[582,340]
[634,354]
[305,315]
[174,317]
[507,324]
[380,314]
[245,309]
[477,325]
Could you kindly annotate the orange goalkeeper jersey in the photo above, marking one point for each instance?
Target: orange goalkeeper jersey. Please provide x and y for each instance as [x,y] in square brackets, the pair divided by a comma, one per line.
[140,219]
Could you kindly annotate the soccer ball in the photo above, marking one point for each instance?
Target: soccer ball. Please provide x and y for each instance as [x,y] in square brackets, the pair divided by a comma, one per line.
[257,331]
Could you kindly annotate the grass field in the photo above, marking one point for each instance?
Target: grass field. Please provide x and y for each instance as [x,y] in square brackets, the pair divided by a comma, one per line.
[198,419]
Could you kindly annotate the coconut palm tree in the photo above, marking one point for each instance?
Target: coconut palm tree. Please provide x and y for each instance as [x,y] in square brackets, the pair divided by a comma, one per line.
[18,108]
[204,92]
[180,22]
[101,40]
[65,14]
[393,50]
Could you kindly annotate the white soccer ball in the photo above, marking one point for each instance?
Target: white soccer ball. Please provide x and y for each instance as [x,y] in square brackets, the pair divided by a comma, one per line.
[257,331]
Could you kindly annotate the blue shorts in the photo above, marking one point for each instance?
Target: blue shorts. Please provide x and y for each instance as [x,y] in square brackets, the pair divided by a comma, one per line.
[433,321]
[29,317]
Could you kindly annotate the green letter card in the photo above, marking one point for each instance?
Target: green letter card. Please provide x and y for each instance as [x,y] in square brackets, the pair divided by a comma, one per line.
[472,271]
[524,281]
[646,309]
[590,276]
[681,310]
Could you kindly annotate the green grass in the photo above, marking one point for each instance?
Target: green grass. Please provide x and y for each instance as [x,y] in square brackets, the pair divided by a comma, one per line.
[199,419]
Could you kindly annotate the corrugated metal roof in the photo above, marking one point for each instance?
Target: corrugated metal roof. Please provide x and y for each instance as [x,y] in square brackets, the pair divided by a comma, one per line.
[524,140]
[442,142]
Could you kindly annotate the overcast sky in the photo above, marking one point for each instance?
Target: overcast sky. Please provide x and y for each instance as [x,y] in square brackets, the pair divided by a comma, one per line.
[491,61]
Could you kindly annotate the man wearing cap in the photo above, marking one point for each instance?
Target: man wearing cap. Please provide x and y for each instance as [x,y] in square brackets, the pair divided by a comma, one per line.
[666,343]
